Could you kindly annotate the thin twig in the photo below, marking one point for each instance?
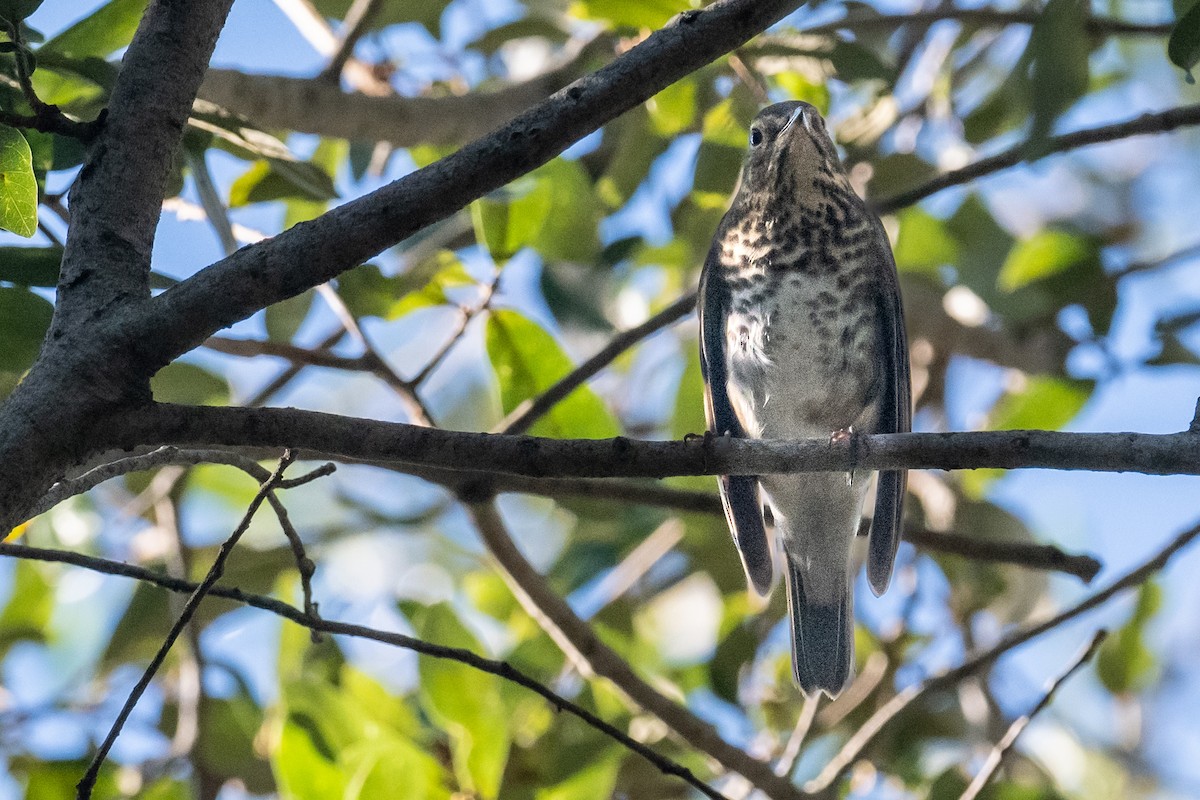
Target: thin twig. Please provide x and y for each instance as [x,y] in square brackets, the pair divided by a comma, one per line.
[88,781]
[280,381]
[808,712]
[417,410]
[524,415]
[501,669]
[590,655]
[863,736]
[1010,736]
[465,316]
[357,19]
[301,356]
[210,199]
[1159,122]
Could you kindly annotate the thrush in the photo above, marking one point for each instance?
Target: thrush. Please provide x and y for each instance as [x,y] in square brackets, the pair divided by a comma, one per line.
[802,336]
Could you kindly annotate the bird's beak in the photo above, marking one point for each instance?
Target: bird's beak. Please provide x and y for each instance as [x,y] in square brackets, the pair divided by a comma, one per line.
[798,113]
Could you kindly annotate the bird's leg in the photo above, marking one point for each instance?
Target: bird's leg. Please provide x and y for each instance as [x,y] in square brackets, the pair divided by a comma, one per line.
[847,434]
[707,436]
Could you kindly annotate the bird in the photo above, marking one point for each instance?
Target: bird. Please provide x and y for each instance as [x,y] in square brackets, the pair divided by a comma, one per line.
[802,336]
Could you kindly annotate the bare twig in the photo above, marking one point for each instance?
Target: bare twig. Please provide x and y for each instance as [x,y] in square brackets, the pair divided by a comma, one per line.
[466,314]
[524,415]
[301,356]
[591,656]
[88,781]
[863,736]
[1159,122]
[357,19]
[1010,736]
[210,199]
[808,712]
[501,669]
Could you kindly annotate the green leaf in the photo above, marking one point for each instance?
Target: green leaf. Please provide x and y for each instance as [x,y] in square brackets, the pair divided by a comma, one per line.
[1183,48]
[571,232]
[225,746]
[29,607]
[18,185]
[1046,253]
[641,14]
[1059,46]
[30,266]
[507,220]
[924,243]
[101,33]
[17,10]
[1125,663]
[277,179]
[596,778]
[528,361]
[1044,402]
[466,703]
[283,319]
[184,383]
[634,146]
[673,110]
[24,319]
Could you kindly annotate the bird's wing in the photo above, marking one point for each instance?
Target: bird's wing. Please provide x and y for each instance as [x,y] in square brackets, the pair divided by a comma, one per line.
[739,493]
[895,417]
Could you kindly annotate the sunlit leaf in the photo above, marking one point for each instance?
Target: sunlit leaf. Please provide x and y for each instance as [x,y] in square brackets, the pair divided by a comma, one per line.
[641,14]
[570,232]
[924,244]
[24,318]
[467,704]
[528,361]
[511,218]
[1046,253]
[18,186]
[673,109]
[101,33]
[275,179]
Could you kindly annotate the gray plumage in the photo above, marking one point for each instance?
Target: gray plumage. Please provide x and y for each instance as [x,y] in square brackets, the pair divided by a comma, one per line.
[802,336]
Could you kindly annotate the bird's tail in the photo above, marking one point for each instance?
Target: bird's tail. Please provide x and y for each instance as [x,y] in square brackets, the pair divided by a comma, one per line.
[822,635]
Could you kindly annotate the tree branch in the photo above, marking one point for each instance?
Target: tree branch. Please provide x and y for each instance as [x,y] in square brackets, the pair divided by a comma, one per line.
[577,639]
[501,669]
[117,198]
[1158,122]
[88,781]
[317,251]
[1020,723]
[339,437]
[983,17]
[876,722]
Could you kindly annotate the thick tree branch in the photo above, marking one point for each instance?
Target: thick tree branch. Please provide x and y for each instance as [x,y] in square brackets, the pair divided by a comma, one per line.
[314,252]
[350,438]
[577,639]
[500,669]
[1158,122]
[117,198]
[983,17]
[317,106]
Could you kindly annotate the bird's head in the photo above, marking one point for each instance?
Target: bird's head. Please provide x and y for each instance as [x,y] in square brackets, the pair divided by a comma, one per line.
[789,149]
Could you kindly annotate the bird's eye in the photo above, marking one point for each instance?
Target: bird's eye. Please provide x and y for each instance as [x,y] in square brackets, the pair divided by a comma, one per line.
[756,137]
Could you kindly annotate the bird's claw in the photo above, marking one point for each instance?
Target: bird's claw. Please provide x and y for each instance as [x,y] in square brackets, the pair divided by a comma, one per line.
[841,436]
